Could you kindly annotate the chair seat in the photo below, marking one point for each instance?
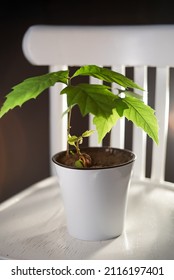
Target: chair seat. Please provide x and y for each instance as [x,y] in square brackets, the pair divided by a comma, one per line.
[33,226]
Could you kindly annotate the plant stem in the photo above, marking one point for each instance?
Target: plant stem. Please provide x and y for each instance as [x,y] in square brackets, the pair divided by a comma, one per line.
[68,129]
[77,148]
[68,124]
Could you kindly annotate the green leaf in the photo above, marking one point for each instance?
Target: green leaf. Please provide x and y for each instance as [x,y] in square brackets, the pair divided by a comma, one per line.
[106,75]
[88,133]
[105,124]
[78,164]
[72,139]
[142,116]
[94,99]
[120,106]
[134,94]
[31,88]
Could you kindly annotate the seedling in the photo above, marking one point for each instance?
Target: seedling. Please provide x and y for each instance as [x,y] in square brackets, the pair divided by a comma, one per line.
[106,105]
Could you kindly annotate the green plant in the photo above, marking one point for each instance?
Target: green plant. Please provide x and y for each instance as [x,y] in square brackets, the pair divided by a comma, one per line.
[105,105]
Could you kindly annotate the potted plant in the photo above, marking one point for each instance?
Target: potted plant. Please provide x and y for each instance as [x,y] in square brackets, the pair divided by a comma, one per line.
[94,180]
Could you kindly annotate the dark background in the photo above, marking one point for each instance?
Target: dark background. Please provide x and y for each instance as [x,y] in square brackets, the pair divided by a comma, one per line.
[24,142]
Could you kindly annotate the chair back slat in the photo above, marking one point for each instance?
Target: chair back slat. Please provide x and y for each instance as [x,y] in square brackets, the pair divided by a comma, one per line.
[117,138]
[162,113]
[139,136]
[57,122]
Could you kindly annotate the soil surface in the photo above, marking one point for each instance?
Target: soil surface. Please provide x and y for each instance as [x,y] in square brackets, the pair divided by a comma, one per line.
[100,157]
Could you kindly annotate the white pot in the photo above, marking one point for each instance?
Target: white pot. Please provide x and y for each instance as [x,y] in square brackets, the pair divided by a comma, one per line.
[95,199]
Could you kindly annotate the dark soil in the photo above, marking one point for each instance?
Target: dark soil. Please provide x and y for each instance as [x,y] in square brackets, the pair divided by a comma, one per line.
[100,157]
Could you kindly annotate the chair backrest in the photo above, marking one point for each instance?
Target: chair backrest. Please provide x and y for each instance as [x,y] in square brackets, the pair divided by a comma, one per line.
[118,47]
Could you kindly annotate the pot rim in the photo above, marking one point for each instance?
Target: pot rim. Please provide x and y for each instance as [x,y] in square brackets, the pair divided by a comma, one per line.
[105,148]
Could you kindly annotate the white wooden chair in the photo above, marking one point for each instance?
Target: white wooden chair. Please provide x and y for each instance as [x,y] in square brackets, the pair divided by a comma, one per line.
[149,226]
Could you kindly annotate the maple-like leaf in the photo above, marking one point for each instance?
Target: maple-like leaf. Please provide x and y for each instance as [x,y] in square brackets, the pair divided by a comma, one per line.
[95,99]
[105,123]
[142,116]
[106,75]
[31,88]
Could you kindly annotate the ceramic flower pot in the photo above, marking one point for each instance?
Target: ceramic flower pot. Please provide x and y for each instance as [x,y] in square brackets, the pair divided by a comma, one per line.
[95,199]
